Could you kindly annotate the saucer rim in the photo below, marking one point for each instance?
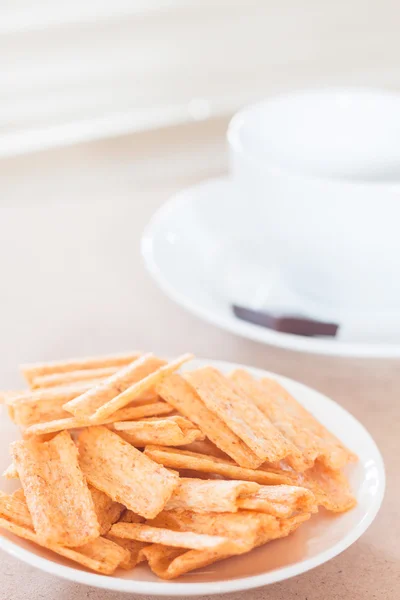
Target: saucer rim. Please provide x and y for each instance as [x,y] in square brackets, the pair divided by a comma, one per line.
[321,346]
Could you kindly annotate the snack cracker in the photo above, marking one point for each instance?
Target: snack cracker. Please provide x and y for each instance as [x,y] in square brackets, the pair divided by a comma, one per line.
[113,466]
[56,492]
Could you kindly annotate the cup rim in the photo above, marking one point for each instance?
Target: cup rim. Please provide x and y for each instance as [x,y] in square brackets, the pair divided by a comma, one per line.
[239,119]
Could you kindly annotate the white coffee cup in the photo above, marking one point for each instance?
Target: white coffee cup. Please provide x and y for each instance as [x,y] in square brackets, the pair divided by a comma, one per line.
[320,170]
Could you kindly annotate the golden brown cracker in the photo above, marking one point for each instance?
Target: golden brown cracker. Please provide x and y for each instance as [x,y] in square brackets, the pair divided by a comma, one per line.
[283,528]
[279,500]
[129,413]
[240,414]
[242,525]
[206,447]
[255,528]
[14,508]
[168,537]
[72,377]
[134,549]
[115,467]
[183,459]
[89,402]
[180,394]
[107,511]
[331,488]
[42,405]
[170,563]
[100,555]
[294,421]
[139,387]
[56,491]
[30,371]
[170,431]
[200,495]
[11,472]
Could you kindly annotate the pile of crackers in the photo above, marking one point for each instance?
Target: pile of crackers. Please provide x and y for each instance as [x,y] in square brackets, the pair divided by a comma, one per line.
[124,459]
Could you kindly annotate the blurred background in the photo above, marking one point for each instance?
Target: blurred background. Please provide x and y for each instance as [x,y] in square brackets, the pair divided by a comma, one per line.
[109,107]
[77,71]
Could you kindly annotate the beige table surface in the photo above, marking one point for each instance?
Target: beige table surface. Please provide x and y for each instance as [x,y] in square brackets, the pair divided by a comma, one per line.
[72,282]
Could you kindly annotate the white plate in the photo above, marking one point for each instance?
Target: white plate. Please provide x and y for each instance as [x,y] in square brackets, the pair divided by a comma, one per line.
[201,248]
[316,542]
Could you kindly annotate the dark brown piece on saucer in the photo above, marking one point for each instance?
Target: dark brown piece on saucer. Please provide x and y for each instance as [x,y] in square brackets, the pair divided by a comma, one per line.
[296,325]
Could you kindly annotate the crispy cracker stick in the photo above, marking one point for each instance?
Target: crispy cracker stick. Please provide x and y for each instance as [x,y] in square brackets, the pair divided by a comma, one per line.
[43,405]
[129,413]
[294,421]
[70,377]
[30,371]
[206,447]
[183,459]
[107,511]
[207,496]
[54,394]
[178,539]
[11,472]
[56,492]
[170,431]
[19,494]
[126,475]
[100,555]
[284,528]
[140,387]
[243,525]
[177,392]
[14,509]
[87,404]
[240,414]
[169,563]
[255,528]
[134,549]
[279,500]
[331,488]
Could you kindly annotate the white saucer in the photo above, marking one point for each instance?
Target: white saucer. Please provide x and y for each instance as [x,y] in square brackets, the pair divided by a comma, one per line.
[324,536]
[201,247]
